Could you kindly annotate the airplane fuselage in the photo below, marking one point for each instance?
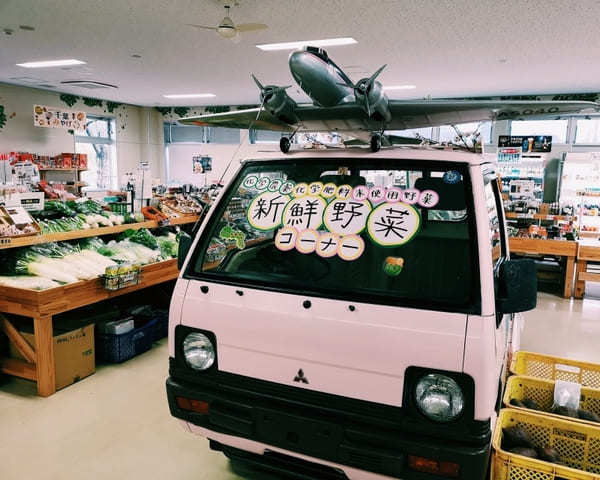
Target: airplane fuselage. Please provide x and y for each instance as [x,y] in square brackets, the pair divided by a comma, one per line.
[320,78]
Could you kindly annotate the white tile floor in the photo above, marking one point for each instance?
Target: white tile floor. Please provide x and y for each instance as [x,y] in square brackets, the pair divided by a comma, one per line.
[116,423]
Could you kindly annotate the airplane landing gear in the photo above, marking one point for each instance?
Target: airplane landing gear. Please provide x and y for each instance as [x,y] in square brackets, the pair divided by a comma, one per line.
[284,144]
[375,142]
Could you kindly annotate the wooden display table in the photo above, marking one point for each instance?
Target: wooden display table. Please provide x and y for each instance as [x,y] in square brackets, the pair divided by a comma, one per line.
[90,232]
[559,248]
[42,305]
[589,251]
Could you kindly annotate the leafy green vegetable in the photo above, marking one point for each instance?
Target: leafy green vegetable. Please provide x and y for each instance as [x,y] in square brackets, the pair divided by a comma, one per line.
[168,247]
[144,237]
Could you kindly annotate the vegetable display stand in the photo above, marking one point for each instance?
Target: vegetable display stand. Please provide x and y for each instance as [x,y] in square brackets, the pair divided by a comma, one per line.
[576,444]
[91,232]
[557,248]
[42,305]
[548,367]
[589,251]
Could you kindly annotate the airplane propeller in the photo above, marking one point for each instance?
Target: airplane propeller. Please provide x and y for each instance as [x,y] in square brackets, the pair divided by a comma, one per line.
[363,87]
[266,92]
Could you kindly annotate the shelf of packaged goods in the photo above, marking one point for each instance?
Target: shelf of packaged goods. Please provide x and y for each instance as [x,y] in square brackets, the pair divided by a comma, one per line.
[92,232]
[58,169]
[42,305]
[539,216]
[588,234]
[559,248]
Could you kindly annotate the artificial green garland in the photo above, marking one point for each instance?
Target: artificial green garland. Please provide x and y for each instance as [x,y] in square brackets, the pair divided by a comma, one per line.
[181,111]
[92,102]
[110,106]
[70,100]
[163,110]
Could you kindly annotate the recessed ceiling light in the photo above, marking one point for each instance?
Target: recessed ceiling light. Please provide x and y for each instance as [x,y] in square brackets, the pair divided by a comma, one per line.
[51,63]
[327,42]
[400,87]
[190,95]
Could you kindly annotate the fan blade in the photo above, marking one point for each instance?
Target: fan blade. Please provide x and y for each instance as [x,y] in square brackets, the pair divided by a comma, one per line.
[250,27]
[204,27]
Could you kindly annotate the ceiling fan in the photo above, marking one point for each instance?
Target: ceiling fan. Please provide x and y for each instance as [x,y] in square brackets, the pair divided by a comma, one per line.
[228,29]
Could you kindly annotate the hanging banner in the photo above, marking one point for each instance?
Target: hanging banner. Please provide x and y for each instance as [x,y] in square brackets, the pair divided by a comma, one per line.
[201,164]
[52,117]
[528,143]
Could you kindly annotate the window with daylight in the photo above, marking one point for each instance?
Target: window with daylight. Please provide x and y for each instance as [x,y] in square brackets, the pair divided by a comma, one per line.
[98,141]
[588,131]
[556,128]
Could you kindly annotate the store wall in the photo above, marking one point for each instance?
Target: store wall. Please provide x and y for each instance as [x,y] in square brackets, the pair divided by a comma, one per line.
[139,129]
[179,159]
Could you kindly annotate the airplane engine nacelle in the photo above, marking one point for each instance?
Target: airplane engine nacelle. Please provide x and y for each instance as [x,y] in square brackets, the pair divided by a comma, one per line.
[373,100]
[280,104]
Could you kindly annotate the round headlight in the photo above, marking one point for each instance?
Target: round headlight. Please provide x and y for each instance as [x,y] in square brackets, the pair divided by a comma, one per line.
[199,352]
[439,397]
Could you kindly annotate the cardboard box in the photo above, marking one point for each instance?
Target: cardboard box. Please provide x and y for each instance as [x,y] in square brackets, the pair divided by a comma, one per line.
[74,354]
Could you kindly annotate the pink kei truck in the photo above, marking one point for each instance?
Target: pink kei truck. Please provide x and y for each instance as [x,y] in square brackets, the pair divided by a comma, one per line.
[350,315]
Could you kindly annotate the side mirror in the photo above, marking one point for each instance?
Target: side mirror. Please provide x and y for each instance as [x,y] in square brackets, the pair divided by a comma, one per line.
[518,286]
[185,242]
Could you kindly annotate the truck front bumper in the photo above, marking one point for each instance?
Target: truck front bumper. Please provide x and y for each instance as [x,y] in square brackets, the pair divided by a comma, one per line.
[351,435]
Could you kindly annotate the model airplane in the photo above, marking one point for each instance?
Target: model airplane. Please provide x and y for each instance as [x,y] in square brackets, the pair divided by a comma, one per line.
[362,110]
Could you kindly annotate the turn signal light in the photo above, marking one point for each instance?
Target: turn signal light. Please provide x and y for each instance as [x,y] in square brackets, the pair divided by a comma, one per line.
[428,465]
[192,405]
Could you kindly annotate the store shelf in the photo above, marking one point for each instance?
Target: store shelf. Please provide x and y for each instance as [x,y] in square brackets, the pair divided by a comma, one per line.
[75,295]
[92,232]
[57,169]
[585,234]
[538,246]
[539,216]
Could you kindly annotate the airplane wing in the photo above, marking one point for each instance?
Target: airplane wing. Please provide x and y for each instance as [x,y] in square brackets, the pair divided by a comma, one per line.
[242,119]
[406,114]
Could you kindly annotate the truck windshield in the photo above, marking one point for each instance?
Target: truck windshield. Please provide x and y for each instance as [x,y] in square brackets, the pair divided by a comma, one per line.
[387,231]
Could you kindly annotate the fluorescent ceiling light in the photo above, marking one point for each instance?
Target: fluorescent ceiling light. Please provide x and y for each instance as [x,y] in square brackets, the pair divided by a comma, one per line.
[51,63]
[191,95]
[328,42]
[400,87]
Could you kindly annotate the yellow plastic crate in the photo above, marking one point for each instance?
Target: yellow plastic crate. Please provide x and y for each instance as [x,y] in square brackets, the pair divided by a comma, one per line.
[542,392]
[577,444]
[554,368]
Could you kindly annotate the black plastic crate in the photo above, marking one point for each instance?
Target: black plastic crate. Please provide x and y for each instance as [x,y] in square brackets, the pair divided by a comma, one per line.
[161,316]
[116,348]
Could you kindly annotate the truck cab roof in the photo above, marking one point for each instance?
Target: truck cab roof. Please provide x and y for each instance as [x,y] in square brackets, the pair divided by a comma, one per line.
[399,153]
